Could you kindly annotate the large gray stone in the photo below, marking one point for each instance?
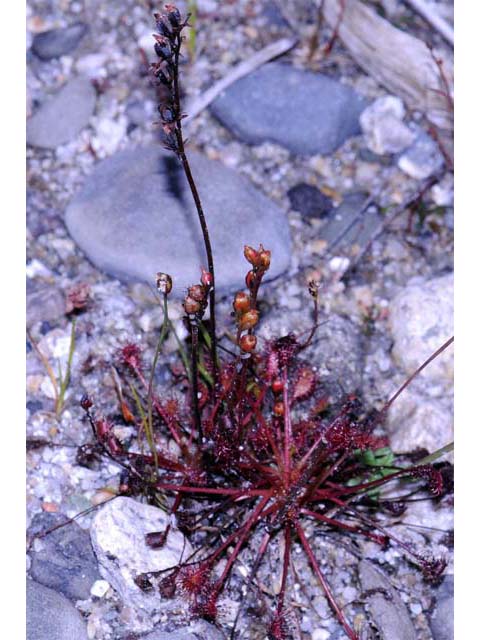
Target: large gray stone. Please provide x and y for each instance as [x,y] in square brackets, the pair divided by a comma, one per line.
[58,42]
[386,607]
[135,216]
[50,616]
[65,561]
[198,630]
[421,320]
[118,538]
[441,622]
[60,118]
[305,112]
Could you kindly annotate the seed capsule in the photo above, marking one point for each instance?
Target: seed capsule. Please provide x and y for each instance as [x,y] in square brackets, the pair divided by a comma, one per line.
[197,292]
[248,320]
[251,255]
[264,259]
[241,303]
[191,306]
[248,342]
[250,279]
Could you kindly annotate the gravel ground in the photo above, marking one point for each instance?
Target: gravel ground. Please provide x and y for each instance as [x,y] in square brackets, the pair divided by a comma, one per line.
[359,278]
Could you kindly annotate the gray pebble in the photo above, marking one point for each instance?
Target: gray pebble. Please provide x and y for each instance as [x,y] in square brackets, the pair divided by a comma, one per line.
[45,303]
[58,42]
[135,216]
[309,201]
[66,562]
[422,159]
[50,616]
[386,607]
[305,112]
[351,224]
[61,118]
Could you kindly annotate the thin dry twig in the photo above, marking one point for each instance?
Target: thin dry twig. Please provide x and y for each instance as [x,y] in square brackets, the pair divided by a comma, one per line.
[428,11]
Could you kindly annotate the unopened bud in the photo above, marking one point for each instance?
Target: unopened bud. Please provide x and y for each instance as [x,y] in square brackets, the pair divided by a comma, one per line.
[164,283]
[248,320]
[85,402]
[241,303]
[248,342]
[206,279]
[277,385]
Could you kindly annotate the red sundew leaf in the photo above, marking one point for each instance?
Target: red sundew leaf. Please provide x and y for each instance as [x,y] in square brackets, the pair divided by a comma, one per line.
[304,384]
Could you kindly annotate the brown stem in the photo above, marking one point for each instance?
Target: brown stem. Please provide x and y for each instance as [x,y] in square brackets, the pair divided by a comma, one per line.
[198,204]
[196,407]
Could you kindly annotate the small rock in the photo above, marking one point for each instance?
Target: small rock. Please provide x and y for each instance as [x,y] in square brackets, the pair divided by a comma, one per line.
[441,622]
[92,65]
[135,216]
[50,616]
[421,320]
[58,42]
[383,128]
[309,201]
[46,303]
[140,112]
[349,227]
[387,609]
[118,537]
[422,159]
[99,588]
[442,192]
[66,561]
[305,112]
[62,117]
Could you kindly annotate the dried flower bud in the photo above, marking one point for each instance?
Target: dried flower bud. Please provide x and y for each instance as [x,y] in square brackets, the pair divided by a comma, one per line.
[241,302]
[164,283]
[173,14]
[163,26]
[313,289]
[191,306]
[278,408]
[248,320]
[162,47]
[250,279]
[251,256]
[197,292]
[206,279]
[78,297]
[248,342]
